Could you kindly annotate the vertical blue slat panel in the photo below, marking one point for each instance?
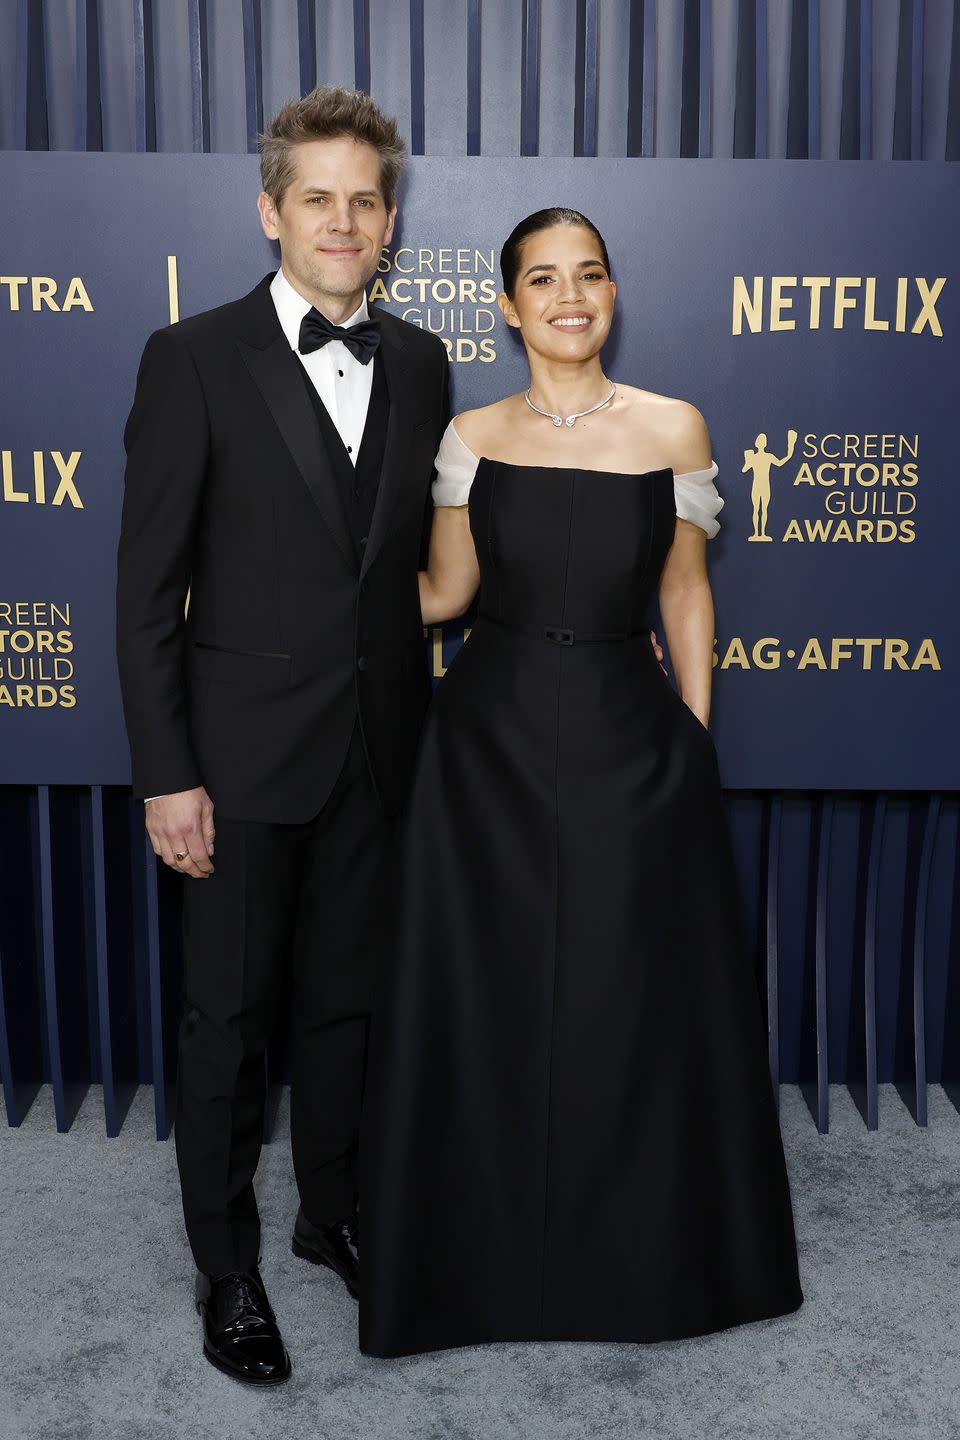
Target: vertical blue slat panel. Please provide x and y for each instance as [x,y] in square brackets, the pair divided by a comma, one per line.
[872,918]
[807,1012]
[649,122]
[417,79]
[950,1068]
[588,80]
[89,124]
[813,80]
[199,77]
[903,113]
[870,954]
[306,44]
[635,78]
[44,860]
[690,65]
[99,900]
[761,87]
[530,80]
[896,976]
[850,90]
[361,44]
[23,1062]
[952,143]
[920,956]
[6,1052]
[772,823]
[705,137]
[157,1051]
[253,71]
[144,77]
[943,898]
[128,833]
[866,79]
[745,114]
[916,83]
[824,835]
[7,1078]
[798,109]
[31,131]
[474,20]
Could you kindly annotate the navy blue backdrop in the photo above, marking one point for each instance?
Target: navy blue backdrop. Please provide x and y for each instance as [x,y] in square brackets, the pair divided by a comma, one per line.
[779,299]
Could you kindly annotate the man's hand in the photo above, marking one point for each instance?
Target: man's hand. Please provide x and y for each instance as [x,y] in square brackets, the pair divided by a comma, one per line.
[182,824]
[657,649]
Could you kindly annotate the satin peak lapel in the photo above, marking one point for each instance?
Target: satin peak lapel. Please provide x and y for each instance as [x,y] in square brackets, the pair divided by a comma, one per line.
[276,373]
[396,450]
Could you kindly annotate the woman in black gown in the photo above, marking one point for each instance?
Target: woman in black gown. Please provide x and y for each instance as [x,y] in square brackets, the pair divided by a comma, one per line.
[570,1130]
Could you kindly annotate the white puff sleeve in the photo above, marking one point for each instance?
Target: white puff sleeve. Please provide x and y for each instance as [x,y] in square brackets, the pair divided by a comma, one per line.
[456,467]
[697,499]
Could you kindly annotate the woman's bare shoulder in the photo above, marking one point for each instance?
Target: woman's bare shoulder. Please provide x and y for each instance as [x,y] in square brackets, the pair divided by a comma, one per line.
[676,422]
[480,427]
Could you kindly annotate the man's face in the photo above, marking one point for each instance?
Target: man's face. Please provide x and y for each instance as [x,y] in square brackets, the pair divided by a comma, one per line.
[332,222]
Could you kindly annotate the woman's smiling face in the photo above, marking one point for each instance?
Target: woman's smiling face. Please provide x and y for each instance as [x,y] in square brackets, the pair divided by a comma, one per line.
[563,299]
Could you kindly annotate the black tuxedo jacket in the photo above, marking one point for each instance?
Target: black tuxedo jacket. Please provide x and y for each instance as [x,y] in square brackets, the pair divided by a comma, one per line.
[230,495]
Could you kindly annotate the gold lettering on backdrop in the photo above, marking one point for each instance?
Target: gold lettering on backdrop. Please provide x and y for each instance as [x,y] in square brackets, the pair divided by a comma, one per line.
[77,295]
[449,291]
[780,302]
[35,643]
[853,296]
[828,654]
[43,293]
[43,290]
[66,489]
[437,667]
[13,284]
[816,284]
[870,322]
[173,289]
[9,493]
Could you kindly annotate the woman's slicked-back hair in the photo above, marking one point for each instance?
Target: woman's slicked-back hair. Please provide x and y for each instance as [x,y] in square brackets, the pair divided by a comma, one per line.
[512,251]
[328,113]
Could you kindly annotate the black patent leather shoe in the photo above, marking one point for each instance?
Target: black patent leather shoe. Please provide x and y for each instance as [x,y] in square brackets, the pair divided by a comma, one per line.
[336,1245]
[240,1332]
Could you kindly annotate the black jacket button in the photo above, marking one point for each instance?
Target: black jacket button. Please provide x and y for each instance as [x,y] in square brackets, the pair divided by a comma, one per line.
[362,663]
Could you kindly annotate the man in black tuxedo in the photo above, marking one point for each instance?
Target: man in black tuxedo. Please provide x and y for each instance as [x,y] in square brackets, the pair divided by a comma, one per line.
[280,451]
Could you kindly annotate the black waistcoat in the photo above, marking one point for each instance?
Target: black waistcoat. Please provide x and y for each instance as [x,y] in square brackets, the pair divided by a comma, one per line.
[357,484]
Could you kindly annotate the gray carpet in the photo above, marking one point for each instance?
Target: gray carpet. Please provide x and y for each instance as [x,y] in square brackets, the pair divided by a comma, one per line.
[100,1339]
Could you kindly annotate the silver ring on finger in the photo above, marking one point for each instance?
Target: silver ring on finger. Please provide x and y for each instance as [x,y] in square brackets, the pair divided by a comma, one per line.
[179,855]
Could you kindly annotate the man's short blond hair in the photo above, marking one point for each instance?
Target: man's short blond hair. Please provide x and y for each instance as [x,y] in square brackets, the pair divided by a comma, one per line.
[327,113]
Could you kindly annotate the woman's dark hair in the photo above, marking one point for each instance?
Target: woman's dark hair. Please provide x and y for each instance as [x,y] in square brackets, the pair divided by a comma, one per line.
[542,220]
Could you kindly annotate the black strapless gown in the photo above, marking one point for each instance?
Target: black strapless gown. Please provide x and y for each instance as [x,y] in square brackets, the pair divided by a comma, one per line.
[570,1130]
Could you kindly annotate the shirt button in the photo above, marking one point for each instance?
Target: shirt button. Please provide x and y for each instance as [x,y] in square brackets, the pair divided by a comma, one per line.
[349,449]
[340,373]
[362,663]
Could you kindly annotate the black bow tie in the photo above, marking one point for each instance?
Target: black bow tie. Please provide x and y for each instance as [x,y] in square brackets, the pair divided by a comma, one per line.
[361,340]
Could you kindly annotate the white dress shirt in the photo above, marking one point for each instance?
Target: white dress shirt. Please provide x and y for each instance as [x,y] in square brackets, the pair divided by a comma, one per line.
[342,383]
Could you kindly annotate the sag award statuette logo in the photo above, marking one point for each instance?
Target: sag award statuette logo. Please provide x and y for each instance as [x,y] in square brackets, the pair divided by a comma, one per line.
[849,488]
[760,461]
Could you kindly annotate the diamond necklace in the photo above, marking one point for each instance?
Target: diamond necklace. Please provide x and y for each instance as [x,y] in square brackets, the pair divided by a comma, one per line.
[569,420]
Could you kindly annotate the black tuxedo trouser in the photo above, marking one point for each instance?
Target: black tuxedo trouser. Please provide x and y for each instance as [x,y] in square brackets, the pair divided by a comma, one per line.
[293,918]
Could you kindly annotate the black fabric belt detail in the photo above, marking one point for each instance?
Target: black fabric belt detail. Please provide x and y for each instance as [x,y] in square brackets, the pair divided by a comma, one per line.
[561,635]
